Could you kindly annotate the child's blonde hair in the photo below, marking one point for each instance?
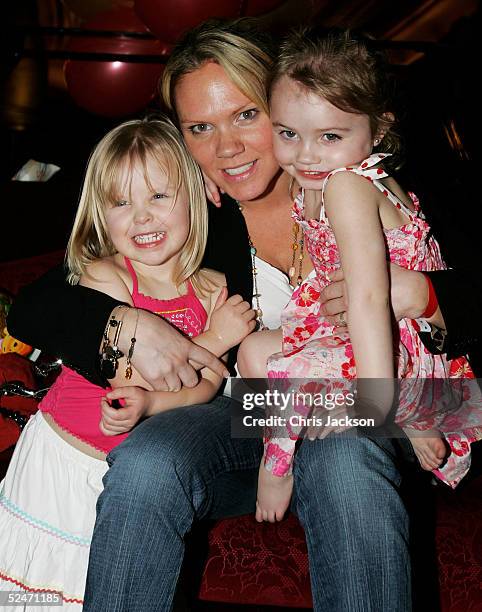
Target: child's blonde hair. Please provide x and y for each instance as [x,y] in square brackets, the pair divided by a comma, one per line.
[135,142]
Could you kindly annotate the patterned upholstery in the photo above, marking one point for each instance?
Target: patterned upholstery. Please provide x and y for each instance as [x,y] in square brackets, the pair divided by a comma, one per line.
[252,563]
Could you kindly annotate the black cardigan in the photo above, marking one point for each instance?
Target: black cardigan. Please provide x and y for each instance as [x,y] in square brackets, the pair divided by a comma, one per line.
[68,321]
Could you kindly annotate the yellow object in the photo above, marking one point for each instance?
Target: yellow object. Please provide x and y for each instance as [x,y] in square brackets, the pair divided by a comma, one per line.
[12,345]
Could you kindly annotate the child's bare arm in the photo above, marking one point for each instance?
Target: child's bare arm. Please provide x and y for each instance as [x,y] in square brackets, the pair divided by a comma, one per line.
[351,204]
[229,321]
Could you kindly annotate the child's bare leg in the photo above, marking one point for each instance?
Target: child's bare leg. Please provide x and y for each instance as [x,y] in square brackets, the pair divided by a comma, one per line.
[254,352]
[274,495]
[274,492]
[430,450]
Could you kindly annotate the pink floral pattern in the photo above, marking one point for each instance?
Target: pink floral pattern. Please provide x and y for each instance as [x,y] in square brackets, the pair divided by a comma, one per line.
[312,348]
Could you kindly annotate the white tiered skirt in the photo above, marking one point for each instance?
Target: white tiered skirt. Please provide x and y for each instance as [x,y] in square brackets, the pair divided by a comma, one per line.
[47,514]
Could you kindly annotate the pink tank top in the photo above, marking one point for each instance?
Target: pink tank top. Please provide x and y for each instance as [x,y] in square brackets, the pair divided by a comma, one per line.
[74,402]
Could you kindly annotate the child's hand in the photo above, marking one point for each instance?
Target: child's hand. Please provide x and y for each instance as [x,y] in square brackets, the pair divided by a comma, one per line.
[232,319]
[326,418]
[135,402]
[274,495]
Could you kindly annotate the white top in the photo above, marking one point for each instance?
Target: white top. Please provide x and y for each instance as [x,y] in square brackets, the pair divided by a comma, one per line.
[275,292]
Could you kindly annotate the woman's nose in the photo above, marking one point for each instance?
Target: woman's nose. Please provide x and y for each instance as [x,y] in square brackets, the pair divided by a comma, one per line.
[229,144]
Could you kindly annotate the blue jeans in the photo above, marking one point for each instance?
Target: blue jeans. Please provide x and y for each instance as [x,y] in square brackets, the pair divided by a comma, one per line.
[182,466]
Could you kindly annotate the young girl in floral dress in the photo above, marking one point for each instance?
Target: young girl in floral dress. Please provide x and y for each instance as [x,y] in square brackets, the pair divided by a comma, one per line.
[333,128]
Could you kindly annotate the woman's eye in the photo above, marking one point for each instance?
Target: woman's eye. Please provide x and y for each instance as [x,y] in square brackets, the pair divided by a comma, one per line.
[200,128]
[331,137]
[249,114]
[159,196]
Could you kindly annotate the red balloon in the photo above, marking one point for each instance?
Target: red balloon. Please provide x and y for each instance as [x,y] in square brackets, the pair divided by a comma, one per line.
[259,7]
[167,19]
[114,89]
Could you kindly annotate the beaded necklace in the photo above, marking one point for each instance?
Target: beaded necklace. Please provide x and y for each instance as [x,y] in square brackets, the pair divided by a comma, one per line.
[297,245]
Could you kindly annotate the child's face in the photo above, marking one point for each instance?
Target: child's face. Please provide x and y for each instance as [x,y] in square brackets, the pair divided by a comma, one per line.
[148,223]
[311,137]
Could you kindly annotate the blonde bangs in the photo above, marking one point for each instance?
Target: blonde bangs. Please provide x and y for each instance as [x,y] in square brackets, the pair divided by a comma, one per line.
[132,143]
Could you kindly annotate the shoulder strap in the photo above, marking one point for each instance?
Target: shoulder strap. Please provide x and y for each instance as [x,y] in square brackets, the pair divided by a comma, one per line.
[190,288]
[130,268]
[369,170]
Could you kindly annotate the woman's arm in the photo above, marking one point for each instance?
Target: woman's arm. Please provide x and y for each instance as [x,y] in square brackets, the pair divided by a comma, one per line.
[352,209]
[63,320]
[459,294]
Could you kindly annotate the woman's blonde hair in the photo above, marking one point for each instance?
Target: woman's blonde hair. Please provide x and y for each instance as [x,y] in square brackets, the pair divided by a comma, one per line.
[136,142]
[237,46]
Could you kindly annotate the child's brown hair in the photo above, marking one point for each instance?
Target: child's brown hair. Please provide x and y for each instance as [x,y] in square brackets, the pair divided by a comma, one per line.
[347,69]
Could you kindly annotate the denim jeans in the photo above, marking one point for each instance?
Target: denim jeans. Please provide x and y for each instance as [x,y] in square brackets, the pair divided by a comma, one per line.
[181,466]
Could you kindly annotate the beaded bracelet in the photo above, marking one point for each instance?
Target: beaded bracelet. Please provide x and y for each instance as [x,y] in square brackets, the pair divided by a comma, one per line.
[128,372]
[110,353]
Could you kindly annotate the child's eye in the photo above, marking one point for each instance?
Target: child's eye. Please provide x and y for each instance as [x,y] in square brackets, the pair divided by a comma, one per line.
[199,128]
[330,137]
[118,203]
[249,114]
[288,134]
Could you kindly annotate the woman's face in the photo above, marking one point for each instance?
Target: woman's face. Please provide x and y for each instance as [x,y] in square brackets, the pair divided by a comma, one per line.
[227,134]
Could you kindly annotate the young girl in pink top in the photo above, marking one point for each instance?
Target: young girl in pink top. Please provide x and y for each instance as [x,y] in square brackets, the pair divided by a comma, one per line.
[139,236]
[334,132]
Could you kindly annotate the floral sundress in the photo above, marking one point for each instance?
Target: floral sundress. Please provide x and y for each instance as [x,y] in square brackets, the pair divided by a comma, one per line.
[315,350]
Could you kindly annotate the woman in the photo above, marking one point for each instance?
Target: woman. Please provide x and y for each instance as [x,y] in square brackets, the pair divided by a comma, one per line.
[183,465]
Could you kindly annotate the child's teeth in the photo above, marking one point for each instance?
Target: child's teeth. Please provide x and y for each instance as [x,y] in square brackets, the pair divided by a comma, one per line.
[146,238]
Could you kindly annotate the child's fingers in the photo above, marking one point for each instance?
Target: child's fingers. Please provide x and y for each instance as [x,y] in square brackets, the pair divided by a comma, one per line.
[243,307]
[235,299]
[124,424]
[110,430]
[106,431]
[116,425]
[121,393]
[116,414]
[259,514]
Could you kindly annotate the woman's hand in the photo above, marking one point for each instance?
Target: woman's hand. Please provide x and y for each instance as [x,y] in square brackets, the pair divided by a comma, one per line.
[212,191]
[165,358]
[135,404]
[232,319]
[408,293]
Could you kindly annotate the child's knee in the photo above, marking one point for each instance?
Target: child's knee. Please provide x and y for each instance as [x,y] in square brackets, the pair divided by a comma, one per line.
[251,363]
